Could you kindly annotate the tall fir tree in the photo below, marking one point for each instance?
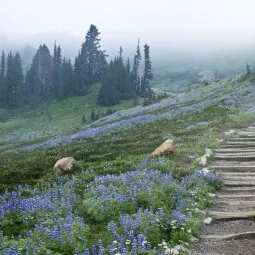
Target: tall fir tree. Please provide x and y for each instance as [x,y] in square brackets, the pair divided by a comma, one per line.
[148,75]
[9,82]
[19,79]
[14,80]
[26,93]
[128,67]
[124,85]
[39,76]
[80,81]
[2,71]
[94,54]
[90,64]
[117,84]
[136,73]
[56,72]
[248,70]
[2,82]
[67,78]
[109,94]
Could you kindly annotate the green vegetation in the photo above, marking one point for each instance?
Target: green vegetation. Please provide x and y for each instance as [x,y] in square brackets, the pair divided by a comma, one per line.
[122,147]
[110,185]
[54,118]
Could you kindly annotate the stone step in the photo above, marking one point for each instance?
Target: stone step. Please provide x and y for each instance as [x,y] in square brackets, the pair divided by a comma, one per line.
[235,190]
[238,178]
[218,215]
[231,196]
[226,247]
[219,227]
[234,162]
[238,145]
[240,141]
[237,236]
[246,134]
[231,168]
[236,139]
[235,203]
[227,174]
[233,153]
[233,206]
[236,150]
[239,195]
[245,197]
[233,183]
[235,157]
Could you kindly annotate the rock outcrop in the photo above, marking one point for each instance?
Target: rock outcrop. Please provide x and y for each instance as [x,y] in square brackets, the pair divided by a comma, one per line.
[167,146]
[64,165]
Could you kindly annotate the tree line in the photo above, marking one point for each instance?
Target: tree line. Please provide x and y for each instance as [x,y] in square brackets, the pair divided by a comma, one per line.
[54,77]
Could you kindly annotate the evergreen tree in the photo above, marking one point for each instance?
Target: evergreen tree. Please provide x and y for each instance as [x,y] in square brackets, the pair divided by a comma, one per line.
[117,84]
[128,67]
[120,52]
[90,64]
[94,55]
[56,72]
[14,80]
[136,74]
[83,119]
[101,65]
[80,74]
[124,82]
[248,70]
[26,94]
[2,72]
[19,79]
[3,91]
[93,116]
[148,76]
[39,76]
[109,94]
[67,78]
[9,82]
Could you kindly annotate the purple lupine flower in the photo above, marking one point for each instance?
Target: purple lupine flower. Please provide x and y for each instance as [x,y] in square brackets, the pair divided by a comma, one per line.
[180,217]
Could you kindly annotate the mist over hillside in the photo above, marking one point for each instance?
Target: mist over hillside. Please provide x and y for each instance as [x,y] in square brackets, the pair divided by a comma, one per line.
[168,58]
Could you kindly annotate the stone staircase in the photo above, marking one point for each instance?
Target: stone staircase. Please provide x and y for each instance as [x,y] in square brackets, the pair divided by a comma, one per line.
[232,231]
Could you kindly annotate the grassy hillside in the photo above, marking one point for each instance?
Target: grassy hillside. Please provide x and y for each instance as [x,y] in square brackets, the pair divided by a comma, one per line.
[51,119]
[118,199]
[124,137]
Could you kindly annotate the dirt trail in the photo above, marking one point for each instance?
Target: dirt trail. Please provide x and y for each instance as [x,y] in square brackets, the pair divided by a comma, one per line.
[232,231]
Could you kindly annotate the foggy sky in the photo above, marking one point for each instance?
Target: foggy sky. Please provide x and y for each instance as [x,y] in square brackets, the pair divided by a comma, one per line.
[182,23]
